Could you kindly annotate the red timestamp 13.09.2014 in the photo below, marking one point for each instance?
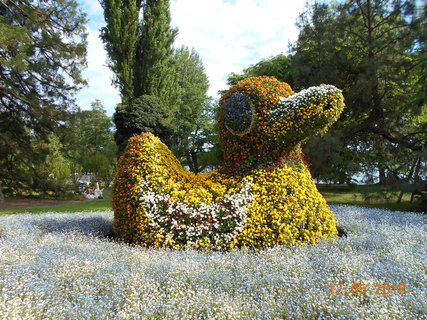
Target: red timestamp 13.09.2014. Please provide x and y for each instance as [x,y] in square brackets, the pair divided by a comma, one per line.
[361,288]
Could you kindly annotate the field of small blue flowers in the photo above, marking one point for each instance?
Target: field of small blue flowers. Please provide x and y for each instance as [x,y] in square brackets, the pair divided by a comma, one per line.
[59,266]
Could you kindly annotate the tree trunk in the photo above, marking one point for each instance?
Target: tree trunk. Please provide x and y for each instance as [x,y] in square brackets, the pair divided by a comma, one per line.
[416,176]
[381,175]
[190,161]
[1,193]
[409,177]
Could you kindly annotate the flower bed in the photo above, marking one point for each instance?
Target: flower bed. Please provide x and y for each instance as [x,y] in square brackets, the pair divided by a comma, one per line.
[58,266]
[262,195]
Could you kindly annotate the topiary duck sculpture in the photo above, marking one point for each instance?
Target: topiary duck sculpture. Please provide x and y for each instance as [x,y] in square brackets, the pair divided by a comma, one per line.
[262,194]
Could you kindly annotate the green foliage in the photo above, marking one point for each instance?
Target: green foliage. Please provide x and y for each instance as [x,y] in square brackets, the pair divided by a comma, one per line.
[56,163]
[145,114]
[121,36]
[204,150]
[140,52]
[153,63]
[42,53]
[192,83]
[16,39]
[89,139]
[141,56]
[327,162]
[101,166]
[278,66]
[374,52]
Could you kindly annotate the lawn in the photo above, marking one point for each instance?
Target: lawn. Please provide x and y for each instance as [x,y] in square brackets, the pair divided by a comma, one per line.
[59,266]
[373,196]
[84,205]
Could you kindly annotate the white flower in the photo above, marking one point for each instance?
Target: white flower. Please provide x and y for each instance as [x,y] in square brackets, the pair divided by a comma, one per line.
[57,266]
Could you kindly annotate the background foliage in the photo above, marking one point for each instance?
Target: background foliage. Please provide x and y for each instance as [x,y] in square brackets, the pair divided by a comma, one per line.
[42,53]
[375,52]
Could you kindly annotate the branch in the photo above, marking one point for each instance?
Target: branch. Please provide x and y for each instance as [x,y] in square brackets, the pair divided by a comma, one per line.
[396,139]
[7,91]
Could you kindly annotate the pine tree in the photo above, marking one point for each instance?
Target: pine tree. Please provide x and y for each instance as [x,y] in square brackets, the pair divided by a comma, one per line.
[375,52]
[42,53]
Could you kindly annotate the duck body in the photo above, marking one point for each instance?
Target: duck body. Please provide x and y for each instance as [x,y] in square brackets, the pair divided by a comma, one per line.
[262,194]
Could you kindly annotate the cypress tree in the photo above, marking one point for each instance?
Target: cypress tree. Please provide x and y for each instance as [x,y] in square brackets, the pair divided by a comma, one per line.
[140,55]
[121,37]
[154,53]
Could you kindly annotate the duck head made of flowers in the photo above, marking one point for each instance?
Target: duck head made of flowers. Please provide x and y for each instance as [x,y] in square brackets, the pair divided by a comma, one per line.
[261,120]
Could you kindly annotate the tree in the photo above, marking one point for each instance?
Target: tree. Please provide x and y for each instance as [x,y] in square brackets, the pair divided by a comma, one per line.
[145,114]
[192,81]
[373,51]
[121,36]
[94,130]
[89,139]
[327,162]
[140,55]
[101,166]
[278,66]
[203,150]
[42,53]
[153,66]
[56,169]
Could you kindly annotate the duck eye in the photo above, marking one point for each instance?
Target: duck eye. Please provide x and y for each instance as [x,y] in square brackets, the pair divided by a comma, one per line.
[239,113]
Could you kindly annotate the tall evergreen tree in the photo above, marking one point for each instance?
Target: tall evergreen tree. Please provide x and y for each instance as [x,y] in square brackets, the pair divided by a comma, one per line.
[42,53]
[121,37]
[140,53]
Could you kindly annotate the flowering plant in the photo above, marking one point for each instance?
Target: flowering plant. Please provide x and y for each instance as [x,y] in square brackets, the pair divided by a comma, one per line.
[263,193]
[189,224]
[239,113]
[282,120]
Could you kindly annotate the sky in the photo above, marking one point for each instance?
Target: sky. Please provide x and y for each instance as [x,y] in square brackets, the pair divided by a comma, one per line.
[229,36]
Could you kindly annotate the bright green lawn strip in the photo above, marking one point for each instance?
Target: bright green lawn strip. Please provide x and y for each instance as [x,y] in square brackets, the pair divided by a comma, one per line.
[84,205]
[356,195]
[87,205]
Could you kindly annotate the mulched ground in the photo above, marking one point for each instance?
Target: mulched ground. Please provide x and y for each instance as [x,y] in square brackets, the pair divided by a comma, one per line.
[18,203]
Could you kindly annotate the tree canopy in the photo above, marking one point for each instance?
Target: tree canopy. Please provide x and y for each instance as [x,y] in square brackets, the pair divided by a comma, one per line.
[375,52]
[278,66]
[192,83]
[372,50]
[163,89]
[42,54]
[140,53]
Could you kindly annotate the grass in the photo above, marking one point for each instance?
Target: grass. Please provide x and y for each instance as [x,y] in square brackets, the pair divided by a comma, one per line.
[371,196]
[84,205]
[59,266]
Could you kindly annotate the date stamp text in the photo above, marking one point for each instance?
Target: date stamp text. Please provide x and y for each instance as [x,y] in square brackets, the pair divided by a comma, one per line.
[361,288]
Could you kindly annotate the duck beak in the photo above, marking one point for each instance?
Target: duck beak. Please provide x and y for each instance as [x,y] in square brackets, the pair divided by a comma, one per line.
[307,113]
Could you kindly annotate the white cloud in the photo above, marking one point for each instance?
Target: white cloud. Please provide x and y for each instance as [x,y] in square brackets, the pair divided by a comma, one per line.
[232,35]
[229,35]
